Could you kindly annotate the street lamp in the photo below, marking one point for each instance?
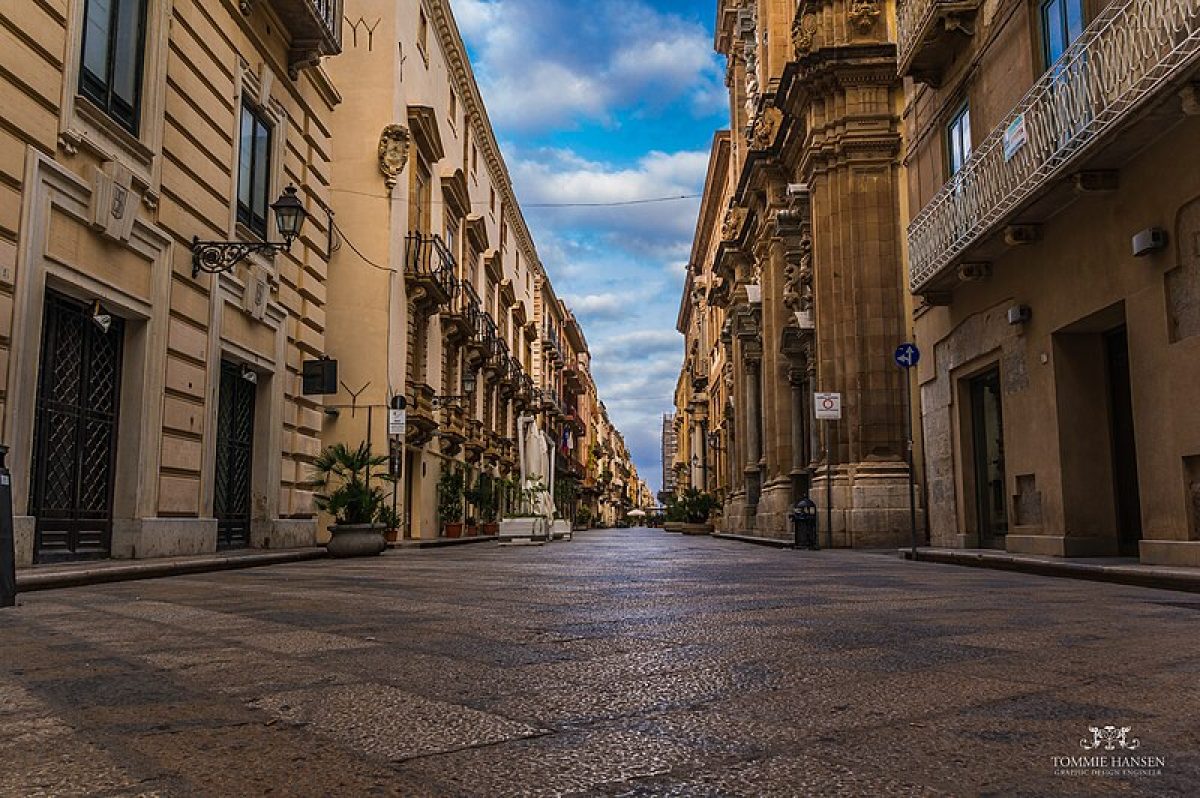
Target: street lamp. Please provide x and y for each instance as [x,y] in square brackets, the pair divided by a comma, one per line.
[221,256]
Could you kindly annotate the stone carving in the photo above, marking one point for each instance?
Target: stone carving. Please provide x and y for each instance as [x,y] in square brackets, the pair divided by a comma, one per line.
[765,128]
[393,153]
[804,31]
[863,14]
[732,228]
[748,32]
[110,207]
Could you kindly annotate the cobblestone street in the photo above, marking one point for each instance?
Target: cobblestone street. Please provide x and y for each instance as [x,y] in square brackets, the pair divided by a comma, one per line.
[627,662]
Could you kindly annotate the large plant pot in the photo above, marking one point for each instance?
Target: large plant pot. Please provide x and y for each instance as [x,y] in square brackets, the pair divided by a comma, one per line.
[356,540]
[453,530]
[695,529]
[472,530]
[491,529]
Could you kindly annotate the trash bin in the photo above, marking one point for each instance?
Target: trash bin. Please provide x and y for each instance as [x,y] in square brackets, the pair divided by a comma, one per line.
[804,524]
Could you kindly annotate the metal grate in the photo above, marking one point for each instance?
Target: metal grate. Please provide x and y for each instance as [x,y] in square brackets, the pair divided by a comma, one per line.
[75,432]
[235,448]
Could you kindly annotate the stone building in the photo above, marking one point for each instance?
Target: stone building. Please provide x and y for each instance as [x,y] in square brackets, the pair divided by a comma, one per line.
[705,410]
[670,447]
[1054,184]
[806,271]
[152,409]
[437,293]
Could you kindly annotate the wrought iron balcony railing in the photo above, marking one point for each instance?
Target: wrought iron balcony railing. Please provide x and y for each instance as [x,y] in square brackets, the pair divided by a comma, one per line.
[929,32]
[429,261]
[315,27]
[1129,53]
[471,306]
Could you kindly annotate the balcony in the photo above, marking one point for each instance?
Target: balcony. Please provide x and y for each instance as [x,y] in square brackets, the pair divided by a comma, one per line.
[459,319]
[475,443]
[1084,114]
[422,423]
[931,34]
[315,27]
[453,429]
[429,269]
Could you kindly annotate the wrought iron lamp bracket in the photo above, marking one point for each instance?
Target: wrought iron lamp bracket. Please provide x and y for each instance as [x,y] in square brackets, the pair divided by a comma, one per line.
[214,257]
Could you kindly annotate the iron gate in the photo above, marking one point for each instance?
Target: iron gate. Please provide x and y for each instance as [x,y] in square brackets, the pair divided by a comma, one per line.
[75,432]
[235,437]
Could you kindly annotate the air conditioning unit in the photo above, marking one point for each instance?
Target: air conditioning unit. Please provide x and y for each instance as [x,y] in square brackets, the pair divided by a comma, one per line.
[973,272]
[1148,241]
[1016,235]
[1020,314]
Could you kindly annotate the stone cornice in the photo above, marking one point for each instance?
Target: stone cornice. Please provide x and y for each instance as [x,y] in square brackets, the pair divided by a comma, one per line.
[463,77]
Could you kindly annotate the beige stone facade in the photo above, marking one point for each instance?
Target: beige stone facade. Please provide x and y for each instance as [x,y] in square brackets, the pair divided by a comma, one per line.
[438,282]
[115,155]
[1062,353]
[796,284]
[152,410]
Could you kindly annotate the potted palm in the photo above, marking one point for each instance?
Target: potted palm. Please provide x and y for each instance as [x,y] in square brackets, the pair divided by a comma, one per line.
[690,511]
[344,476]
[450,501]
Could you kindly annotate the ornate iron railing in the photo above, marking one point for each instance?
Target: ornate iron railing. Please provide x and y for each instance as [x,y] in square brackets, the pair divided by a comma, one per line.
[428,256]
[1130,50]
[471,307]
[914,17]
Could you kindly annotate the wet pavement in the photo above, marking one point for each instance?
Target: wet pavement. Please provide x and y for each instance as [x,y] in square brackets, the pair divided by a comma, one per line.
[626,662]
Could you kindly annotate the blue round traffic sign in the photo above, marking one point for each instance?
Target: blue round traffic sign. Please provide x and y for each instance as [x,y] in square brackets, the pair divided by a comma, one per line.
[907,356]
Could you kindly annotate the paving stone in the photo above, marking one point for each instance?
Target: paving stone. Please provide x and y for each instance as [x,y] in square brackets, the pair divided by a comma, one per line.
[623,663]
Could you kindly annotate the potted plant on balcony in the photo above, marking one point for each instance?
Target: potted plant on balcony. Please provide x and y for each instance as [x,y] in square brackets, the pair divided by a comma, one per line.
[450,501]
[344,477]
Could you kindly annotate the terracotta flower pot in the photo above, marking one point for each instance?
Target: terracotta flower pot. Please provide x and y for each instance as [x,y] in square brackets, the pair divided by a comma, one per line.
[472,531]
[491,529]
[454,530]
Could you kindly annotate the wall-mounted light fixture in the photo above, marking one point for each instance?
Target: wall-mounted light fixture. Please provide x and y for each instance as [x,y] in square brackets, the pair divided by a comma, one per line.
[221,256]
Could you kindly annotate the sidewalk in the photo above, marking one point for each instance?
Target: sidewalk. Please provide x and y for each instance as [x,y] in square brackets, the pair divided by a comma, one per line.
[95,572]
[1121,570]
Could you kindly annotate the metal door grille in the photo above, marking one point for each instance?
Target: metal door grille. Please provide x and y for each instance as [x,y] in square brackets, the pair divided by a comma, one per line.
[75,432]
[235,436]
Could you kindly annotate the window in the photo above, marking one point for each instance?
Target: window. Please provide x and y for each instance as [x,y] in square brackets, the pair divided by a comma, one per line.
[111,67]
[492,200]
[254,171]
[423,37]
[419,207]
[1062,24]
[474,159]
[453,108]
[958,140]
[452,235]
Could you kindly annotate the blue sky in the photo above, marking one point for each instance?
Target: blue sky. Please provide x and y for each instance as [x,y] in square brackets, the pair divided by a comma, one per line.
[608,101]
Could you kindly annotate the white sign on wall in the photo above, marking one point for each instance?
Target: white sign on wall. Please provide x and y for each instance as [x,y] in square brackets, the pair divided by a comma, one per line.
[397,423]
[827,406]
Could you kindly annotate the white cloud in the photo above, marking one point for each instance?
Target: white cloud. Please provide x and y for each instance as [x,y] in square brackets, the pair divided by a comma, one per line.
[541,62]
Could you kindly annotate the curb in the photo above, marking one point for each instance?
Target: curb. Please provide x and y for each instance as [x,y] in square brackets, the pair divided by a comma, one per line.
[1137,576]
[437,543]
[32,581]
[775,542]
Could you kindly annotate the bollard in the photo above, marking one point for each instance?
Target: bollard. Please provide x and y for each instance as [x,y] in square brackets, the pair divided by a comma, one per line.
[8,555]
[804,524]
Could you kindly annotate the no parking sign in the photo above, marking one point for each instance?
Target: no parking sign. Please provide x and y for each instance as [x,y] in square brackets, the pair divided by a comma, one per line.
[827,406]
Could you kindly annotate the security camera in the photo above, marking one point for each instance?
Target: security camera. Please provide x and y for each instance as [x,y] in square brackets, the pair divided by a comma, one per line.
[103,321]
[250,376]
